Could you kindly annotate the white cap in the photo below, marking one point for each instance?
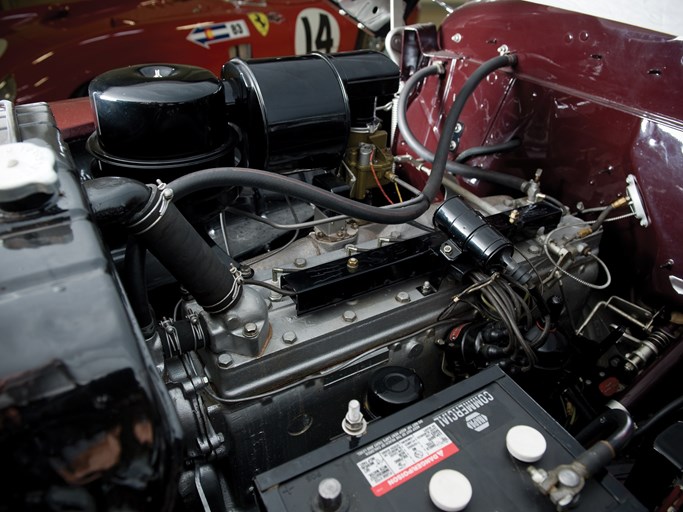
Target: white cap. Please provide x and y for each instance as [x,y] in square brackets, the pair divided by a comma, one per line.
[26,169]
[450,490]
[525,443]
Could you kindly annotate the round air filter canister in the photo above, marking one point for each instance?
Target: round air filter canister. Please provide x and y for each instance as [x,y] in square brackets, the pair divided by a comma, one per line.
[157,117]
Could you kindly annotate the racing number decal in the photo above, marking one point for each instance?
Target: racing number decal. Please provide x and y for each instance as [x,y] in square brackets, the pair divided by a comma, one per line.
[316,31]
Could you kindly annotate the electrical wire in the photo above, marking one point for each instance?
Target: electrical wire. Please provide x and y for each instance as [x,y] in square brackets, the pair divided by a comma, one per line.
[556,264]
[398,192]
[224,233]
[270,287]
[374,174]
[267,255]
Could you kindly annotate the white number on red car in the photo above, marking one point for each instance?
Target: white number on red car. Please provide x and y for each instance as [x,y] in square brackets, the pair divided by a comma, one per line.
[316,31]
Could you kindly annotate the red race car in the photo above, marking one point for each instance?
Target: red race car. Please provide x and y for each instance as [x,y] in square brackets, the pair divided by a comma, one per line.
[53,52]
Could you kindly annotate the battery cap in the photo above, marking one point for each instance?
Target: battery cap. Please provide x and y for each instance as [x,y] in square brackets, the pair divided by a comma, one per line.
[525,443]
[450,490]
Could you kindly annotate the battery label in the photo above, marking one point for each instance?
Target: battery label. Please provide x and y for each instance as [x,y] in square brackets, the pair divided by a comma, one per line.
[406,458]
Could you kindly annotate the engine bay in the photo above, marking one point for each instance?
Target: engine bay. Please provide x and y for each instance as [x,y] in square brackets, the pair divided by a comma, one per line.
[206,279]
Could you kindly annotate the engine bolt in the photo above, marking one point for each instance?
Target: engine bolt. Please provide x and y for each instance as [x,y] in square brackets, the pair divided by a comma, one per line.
[352,264]
[534,249]
[250,330]
[452,146]
[349,316]
[300,262]
[224,360]
[289,337]
[447,249]
[354,424]
[427,287]
[402,297]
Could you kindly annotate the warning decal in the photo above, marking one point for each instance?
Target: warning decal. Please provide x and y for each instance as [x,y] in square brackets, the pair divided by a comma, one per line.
[406,458]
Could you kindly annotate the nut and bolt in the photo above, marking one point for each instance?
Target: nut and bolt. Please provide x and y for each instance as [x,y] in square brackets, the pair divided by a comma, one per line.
[354,424]
[452,145]
[349,316]
[352,264]
[402,297]
[447,249]
[289,337]
[250,330]
[427,287]
[568,478]
[224,360]
[300,262]
[458,128]
[457,38]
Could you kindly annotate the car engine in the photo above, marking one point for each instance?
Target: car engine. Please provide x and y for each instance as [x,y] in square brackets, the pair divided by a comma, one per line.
[237,292]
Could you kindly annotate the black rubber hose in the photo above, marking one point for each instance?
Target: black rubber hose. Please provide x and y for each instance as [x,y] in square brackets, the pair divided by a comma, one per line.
[598,455]
[487,150]
[659,416]
[114,199]
[601,218]
[440,157]
[231,176]
[151,217]
[134,280]
[161,227]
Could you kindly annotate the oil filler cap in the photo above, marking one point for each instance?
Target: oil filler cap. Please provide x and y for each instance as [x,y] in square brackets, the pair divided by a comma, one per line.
[525,443]
[27,176]
[450,490]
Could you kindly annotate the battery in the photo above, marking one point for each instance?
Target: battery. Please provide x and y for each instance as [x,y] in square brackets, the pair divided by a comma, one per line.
[462,429]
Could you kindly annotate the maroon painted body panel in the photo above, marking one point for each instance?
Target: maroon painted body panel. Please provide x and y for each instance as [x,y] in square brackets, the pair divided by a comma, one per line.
[54,51]
[592,101]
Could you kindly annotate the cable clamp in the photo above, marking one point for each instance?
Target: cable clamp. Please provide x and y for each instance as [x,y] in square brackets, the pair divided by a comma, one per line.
[236,274]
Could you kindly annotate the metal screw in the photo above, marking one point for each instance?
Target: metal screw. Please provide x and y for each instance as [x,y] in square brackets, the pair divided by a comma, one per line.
[503,49]
[300,262]
[224,360]
[447,249]
[250,330]
[458,128]
[289,337]
[452,146]
[349,316]
[352,264]
[457,38]
[534,249]
[402,297]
